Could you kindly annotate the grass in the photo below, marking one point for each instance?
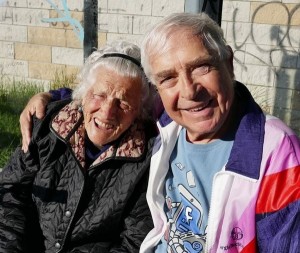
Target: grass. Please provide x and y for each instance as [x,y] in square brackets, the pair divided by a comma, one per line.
[14,95]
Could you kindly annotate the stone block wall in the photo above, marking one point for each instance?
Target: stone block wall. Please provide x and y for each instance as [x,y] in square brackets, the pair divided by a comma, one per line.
[35,45]
[265,37]
[40,38]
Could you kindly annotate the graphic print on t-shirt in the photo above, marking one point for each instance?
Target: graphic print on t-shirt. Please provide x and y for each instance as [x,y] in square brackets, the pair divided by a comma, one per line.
[184,233]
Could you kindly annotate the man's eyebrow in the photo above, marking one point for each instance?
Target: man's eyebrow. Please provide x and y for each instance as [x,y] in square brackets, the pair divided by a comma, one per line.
[164,73]
[199,61]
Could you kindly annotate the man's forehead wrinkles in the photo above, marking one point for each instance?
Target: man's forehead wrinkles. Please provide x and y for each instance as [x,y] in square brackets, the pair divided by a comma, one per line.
[164,73]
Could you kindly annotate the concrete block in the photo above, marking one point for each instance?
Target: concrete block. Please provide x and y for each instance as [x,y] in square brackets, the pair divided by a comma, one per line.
[239,54]
[283,98]
[115,23]
[263,34]
[102,39]
[260,55]
[236,11]
[138,7]
[224,27]
[238,70]
[133,38]
[46,36]
[72,40]
[43,4]
[15,3]
[107,22]
[274,13]
[238,33]
[292,37]
[31,52]
[295,19]
[68,56]
[284,57]
[76,5]
[239,62]
[44,71]
[6,15]
[102,6]
[258,75]
[6,49]
[30,17]
[55,4]
[289,1]
[164,8]
[296,101]
[38,4]
[13,33]
[13,67]
[287,78]
[141,24]
[78,16]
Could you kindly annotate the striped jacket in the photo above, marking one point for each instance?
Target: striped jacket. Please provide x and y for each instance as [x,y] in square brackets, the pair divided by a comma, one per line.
[255,204]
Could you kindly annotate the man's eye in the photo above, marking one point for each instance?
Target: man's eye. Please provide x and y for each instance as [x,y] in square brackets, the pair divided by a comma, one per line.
[166,79]
[202,70]
[124,106]
[166,82]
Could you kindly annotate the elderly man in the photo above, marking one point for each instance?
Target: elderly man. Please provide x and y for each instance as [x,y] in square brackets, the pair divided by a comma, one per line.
[224,177]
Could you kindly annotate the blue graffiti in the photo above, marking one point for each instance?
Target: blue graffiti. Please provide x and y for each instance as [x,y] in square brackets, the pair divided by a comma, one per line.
[66,17]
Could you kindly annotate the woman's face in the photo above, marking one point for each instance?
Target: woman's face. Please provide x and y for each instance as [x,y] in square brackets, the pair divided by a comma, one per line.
[111,105]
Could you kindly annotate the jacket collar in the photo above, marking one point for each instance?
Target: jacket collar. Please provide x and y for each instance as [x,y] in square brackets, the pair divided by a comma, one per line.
[68,125]
[246,154]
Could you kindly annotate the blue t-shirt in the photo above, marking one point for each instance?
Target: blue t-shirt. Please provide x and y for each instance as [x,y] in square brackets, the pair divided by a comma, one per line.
[188,192]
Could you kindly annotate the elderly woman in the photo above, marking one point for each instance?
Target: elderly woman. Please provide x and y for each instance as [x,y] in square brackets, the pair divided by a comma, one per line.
[81,185]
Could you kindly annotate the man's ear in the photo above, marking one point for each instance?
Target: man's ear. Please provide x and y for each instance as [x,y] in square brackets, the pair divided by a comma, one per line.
[230,60]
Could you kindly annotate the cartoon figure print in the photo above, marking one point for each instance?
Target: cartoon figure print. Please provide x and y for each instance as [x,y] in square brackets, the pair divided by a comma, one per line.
[185,224]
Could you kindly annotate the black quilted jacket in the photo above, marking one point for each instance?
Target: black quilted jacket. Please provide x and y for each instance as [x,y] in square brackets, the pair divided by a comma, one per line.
[50,201]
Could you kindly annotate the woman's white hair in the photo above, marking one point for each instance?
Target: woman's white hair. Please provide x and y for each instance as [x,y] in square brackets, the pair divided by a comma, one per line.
[201,25]
[121,66]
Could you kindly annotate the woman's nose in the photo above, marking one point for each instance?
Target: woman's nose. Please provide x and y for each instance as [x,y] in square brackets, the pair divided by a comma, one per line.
[109,109]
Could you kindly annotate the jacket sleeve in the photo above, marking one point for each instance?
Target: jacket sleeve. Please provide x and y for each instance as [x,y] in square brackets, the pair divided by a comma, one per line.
[60,94]
[18,219]
[278,205]
[137,223]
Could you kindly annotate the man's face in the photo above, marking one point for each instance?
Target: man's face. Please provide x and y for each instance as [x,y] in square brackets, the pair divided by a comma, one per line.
[196,90]
[111,105]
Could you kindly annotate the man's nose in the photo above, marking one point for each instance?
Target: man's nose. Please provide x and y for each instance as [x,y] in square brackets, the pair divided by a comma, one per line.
[188,88]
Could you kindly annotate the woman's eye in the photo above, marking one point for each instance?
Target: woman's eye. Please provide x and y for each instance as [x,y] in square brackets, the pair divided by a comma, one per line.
[98,96]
